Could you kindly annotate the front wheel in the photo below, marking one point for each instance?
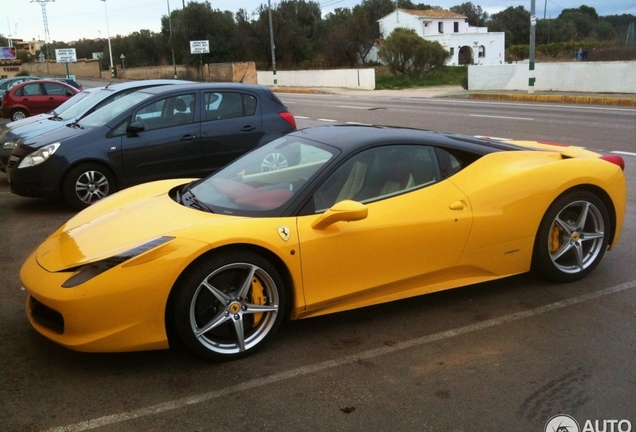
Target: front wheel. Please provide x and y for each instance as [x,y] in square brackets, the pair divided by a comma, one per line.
[572,237]
[227,305]
[19,114]
[86,184]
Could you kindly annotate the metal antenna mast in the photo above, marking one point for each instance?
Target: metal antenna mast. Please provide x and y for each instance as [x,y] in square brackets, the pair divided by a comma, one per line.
[47,37]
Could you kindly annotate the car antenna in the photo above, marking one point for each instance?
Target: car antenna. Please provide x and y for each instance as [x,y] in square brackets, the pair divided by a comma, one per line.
[109,84]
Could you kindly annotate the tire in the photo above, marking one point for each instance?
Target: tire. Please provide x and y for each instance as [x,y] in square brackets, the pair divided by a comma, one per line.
[86,184]
[227,305]
[18,114]
[274,161]
[572,237]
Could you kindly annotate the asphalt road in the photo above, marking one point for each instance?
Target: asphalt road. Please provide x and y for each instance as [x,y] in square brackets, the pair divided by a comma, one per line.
[505,355]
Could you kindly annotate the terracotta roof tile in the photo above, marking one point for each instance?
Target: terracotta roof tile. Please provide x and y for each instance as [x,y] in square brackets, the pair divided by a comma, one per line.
[433,13]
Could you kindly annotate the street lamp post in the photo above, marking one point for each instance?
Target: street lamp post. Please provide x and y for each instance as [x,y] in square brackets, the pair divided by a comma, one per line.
[110,50]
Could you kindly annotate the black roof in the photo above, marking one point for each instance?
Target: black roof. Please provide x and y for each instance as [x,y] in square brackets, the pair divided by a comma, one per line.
[144,83]
[351,138]
[206,86]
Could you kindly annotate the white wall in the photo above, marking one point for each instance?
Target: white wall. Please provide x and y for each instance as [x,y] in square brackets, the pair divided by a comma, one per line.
[363,79]
[595,77]
[424,26]
[493,43]
[472,37]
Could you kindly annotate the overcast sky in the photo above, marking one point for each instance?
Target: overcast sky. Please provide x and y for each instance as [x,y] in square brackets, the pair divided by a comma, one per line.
[76,19]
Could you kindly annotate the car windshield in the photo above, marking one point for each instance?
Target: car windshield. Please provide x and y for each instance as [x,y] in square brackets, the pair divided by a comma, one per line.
[109,112]
[80,103]
[255,186]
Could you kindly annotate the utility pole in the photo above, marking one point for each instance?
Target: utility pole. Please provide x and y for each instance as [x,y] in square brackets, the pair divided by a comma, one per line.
[174,64]
[271,40]
[533,29]
[47,36]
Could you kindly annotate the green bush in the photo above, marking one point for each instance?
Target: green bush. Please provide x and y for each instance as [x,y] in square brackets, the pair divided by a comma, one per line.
[443,76]
[23,72]
[408,54]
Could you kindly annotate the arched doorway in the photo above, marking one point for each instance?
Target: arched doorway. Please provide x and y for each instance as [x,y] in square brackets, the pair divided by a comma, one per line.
[465,56]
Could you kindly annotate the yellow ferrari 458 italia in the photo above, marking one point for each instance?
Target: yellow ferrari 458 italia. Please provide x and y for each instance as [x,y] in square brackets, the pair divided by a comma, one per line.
[352,216]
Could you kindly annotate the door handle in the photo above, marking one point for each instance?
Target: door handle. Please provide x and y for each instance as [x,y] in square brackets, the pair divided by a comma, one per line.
[248,128]
[457,205]
[188,137]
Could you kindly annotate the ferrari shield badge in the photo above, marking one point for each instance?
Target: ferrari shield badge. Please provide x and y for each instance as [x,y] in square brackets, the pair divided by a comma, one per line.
[283,232]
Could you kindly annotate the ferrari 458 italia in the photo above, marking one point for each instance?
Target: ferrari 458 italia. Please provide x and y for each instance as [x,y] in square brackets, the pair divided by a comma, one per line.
[364,215]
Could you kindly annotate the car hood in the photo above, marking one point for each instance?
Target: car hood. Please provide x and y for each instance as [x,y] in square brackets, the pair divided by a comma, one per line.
[120,223]
[55,135]
[27,121]
[28,132]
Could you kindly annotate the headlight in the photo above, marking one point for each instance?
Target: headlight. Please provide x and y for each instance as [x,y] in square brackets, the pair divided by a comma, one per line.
[10,145]
[39,156]
[89,271]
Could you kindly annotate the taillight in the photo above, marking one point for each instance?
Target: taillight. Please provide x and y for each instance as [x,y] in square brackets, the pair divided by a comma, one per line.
[288,118]
[615,159]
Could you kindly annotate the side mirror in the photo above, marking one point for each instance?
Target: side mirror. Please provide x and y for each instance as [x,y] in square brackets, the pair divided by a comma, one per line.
[347,211]
[135,127]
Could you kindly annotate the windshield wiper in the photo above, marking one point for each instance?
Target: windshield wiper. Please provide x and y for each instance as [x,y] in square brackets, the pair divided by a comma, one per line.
[188,199]
[75,125]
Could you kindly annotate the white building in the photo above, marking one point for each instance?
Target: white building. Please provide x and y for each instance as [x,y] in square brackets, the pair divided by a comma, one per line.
[467,45]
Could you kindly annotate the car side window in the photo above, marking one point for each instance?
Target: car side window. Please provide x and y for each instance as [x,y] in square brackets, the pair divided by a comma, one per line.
[171,111]
[55,89]
[225,105]
[31,90]
[379,173]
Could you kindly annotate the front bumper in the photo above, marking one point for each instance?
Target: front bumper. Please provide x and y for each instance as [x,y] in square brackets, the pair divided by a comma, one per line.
[122,309]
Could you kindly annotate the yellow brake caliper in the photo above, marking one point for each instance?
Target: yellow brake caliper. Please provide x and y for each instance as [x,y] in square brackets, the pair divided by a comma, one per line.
[555,235]
[258,297]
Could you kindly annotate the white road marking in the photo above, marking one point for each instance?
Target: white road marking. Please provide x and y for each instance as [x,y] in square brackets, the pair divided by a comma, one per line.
[623,153]
[330,364]
[502,117]
[328,120]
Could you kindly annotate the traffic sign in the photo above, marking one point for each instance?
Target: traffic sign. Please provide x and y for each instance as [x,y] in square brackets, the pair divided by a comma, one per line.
[199,47]
[65,55]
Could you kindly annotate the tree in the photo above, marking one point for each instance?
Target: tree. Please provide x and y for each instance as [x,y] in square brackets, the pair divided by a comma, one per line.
[583,23]
[515,21]
[337,45]
[476,16]
[407,53]
[198,21]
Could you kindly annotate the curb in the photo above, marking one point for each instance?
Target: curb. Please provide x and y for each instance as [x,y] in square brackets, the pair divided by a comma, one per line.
[293,90]
[563,99]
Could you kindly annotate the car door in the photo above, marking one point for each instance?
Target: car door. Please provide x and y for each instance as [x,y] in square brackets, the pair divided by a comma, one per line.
[231,126]
[56,94]
[413,235]
[169,145]
[33,97]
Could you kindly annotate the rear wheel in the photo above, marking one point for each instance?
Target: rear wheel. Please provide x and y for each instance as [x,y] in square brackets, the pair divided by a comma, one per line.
[572,238]
[274,161]
[86,184]
[18,114]
[227,305]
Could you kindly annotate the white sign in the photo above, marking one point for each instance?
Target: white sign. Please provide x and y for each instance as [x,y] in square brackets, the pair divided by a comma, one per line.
[199,47]
[65,55]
